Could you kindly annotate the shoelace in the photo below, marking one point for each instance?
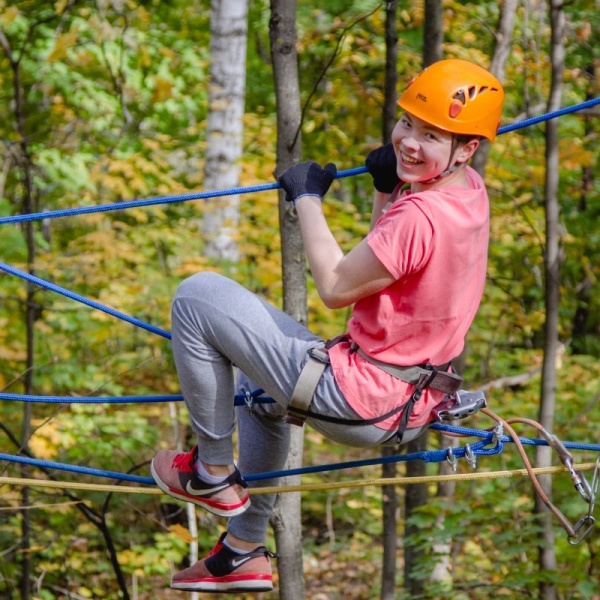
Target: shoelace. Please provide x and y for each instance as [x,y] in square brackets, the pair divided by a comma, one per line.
[182,460]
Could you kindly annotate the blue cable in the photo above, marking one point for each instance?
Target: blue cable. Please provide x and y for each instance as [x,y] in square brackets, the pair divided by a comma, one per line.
[53,214]
[63,291]
[429,456]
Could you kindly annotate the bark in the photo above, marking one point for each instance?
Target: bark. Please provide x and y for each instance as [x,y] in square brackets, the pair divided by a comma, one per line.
[28,205]
[415,496]
[502,45]
[389,494]
[224,129]
[552,261]
[579,344]
[286,519]
[433,32]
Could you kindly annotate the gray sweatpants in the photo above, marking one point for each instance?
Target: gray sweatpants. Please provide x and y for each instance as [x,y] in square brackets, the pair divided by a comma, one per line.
[218,324]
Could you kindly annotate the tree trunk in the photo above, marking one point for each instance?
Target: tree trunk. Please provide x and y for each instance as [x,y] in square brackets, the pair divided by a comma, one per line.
[389,494]
[433,32]
[286,519]
[579,343]
[552,260]
[502,45]
[228,35]
[28,206]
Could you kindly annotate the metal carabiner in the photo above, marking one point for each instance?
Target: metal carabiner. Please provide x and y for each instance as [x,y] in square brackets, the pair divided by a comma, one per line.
[594,488]
[452,460]
[579,532]
[249,400]
[497,434]
[471,457]
[586,524]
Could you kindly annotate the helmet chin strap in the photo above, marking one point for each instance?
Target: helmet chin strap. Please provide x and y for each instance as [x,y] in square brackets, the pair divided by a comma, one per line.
[451,166]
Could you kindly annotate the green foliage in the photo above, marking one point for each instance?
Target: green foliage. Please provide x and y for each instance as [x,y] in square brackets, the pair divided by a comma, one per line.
[114,107]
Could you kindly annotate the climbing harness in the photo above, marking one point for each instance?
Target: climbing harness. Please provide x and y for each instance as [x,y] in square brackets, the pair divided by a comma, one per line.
[420,376]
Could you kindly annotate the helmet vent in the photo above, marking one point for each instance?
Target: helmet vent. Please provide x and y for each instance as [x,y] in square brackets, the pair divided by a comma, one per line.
[460,96]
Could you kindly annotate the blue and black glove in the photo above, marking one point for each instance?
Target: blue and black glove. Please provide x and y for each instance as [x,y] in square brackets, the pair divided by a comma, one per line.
[307,179]
[381,164]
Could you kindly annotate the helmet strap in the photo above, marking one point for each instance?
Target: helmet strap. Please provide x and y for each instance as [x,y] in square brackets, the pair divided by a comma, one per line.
[452,166]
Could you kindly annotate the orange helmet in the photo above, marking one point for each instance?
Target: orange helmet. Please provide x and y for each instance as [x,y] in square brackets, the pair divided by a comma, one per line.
[457,96]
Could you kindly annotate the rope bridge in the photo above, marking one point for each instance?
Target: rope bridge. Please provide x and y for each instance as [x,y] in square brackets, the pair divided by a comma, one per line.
[490,442]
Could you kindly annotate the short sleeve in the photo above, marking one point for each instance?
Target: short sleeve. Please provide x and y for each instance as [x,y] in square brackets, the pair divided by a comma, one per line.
[402,238]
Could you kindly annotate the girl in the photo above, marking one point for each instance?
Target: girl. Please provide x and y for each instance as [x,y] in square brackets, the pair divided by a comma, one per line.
[415,283]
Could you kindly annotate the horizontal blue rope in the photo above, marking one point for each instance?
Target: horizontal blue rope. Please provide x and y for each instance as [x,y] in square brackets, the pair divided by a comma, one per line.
[92,303]
[53,214]
[81,210]
[429,456]
[239,399]
[169,199]
[551,115]
[258,398]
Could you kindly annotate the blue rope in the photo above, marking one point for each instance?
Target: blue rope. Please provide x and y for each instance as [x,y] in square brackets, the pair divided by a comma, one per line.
[83,300]
[53,214]
[429,456]
[551,115]
[239,399]
[81,210]
[199,195]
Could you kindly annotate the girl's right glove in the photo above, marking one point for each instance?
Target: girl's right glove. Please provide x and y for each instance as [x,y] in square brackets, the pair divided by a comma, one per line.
[307,179]
[381,164]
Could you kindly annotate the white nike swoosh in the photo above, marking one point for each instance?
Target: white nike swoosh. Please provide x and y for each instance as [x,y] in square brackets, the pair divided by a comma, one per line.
[192,492]
[236,562]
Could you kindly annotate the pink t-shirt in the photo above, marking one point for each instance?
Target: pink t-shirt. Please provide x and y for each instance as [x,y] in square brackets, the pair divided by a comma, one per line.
[435,244]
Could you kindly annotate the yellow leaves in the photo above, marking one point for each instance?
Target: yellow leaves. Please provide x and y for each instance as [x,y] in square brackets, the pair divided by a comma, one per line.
[8,15]
[62,43]
[574,157]
[182,533]
[163,89]
[48,439]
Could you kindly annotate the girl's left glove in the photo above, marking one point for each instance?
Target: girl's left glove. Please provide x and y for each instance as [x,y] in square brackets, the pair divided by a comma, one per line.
[381,164]
[307,179]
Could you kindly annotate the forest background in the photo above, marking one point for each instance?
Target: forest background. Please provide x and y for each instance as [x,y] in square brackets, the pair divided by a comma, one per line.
[111,100]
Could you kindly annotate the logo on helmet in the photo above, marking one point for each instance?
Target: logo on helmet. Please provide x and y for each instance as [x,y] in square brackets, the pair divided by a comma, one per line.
[422,97]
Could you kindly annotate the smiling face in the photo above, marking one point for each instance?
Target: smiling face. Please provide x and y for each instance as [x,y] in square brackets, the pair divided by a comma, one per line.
[424,151]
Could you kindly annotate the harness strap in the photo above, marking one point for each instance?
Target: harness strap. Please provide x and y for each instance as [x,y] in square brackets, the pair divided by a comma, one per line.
[442,380]
[419,376]
[303,393]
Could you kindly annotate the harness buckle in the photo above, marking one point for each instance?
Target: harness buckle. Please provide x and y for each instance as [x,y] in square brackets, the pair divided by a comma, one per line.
[459,406]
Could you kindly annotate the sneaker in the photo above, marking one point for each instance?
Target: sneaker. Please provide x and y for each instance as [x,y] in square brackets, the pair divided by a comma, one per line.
[224,570]
[175,475]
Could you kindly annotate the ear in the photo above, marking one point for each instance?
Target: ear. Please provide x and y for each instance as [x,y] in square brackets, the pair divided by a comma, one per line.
[464,152]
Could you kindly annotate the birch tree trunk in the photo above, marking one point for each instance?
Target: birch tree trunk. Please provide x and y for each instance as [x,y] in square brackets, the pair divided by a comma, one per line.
[286,519]
[224,129]
[552,261]
[502,45]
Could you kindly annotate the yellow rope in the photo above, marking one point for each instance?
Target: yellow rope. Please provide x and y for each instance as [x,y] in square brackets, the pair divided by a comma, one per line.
[124,489]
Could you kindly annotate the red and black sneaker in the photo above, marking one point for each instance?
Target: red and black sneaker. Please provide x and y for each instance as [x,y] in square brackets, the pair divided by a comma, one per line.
[224,570]
[175,475]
